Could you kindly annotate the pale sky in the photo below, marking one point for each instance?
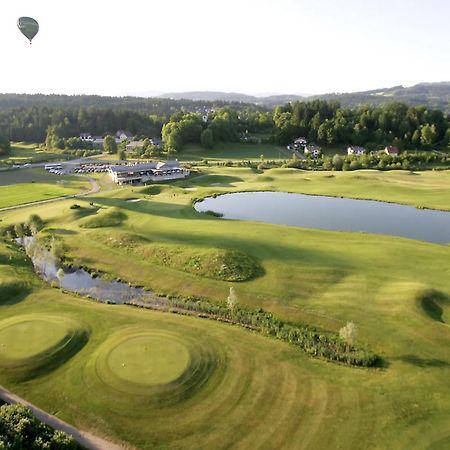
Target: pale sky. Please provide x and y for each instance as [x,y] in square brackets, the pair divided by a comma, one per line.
[137,47]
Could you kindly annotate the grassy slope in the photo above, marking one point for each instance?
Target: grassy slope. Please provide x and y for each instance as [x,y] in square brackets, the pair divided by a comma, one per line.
[22,153]
[30,185]
[321,277]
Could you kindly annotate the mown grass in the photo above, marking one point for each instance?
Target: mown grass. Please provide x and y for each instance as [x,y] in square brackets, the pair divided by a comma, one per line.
[263,392]
[254,391]
[107,218]
[23,153]
[229,151]
[30,185]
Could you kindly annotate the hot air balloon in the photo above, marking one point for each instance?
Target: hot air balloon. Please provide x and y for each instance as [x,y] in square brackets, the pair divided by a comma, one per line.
[28,26]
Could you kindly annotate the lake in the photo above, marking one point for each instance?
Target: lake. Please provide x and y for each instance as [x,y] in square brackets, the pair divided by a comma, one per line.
[332,213]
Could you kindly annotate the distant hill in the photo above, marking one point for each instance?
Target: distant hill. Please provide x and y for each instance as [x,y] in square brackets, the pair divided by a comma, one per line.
[436,95]
[210,96]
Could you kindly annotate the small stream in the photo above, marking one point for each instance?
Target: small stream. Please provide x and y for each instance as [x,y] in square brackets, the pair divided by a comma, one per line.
[83,283]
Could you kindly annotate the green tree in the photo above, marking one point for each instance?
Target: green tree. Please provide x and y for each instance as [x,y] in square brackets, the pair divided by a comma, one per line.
[35,224]
[73,143]
[5,145]
[109,145]
[19,230]
[337,162]
[207,138]
[121,154]
[52,140]
[19,429]
[428,134]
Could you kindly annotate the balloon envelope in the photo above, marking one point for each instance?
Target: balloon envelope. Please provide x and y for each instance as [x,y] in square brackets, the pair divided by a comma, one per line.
[28,26]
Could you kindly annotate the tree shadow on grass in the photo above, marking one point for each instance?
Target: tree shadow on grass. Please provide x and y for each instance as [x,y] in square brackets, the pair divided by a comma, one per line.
[61,231]
[423,362]
[13,293]
[432,303]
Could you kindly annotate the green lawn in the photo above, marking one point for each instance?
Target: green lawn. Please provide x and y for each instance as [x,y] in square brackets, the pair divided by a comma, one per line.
[228,151]
[31,185]
[237,389]
[23,153]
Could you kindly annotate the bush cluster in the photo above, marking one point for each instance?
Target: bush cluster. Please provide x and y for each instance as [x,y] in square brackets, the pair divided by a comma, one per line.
[312,341]
[19,429]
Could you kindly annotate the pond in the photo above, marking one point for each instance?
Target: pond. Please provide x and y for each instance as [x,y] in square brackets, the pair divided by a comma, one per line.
[332,213]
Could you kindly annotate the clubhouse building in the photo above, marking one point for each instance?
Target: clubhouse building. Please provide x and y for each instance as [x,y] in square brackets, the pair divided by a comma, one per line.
[147,172]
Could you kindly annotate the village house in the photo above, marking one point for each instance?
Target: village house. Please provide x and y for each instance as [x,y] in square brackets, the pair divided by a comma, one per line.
[134,145]
[312,150]
[147,172]
[300,142]
[391,150]
[355,150]
[86,137]
[156,141]
[97,141]
[123,135]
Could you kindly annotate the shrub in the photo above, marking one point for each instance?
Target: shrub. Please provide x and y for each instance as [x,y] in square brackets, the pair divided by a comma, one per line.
[19,429]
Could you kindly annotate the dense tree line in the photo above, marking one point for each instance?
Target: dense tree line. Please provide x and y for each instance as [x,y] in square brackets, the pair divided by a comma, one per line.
[324,122]
[394,123]
[32,124]
[19,430]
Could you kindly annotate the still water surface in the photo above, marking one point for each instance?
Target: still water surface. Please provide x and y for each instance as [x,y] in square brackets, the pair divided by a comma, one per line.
[331,213]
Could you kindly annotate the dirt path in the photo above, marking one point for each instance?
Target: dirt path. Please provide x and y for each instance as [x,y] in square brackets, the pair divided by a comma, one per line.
[95,187]
[84,438]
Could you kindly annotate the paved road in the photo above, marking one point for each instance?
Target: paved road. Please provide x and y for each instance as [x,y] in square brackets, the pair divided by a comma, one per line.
[85,438]
[94,189]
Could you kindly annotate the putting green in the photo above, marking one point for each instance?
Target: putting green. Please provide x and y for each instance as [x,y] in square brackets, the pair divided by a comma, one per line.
[34,344]
[155,366]
[149,360]
[30,337]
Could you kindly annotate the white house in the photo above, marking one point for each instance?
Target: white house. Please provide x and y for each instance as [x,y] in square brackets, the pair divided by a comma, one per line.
[300,142]
[355,150]
[86,137]
[123,135]
[312,150]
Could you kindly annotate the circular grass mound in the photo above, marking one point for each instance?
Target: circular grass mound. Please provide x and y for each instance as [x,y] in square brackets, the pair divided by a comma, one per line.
[35,344]
[154,366]
[12,292]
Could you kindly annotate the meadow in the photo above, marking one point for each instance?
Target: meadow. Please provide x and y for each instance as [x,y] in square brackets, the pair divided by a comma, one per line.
[30,185]
[26,153]
[202,384]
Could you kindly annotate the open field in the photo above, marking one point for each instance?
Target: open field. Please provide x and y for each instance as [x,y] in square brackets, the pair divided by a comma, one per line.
[23,153]
[30,185]
[228,151]
[234,388]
